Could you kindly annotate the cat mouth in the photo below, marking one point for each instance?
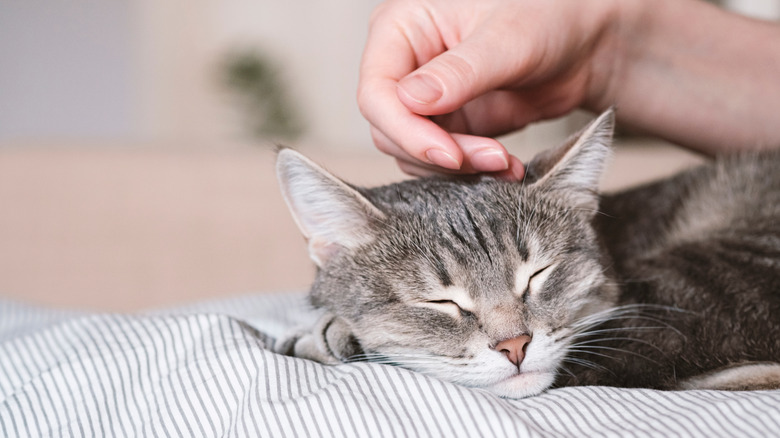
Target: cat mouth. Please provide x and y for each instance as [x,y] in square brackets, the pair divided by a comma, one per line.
[523,384]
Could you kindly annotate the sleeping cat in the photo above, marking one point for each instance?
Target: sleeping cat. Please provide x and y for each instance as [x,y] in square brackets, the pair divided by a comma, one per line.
[516,287]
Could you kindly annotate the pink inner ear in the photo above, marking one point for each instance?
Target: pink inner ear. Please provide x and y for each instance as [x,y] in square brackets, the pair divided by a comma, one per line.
[543,162]
[321,250]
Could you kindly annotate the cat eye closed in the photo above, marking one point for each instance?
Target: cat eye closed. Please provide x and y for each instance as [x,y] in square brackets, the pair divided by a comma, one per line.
[538,272]
[532,284]
[464,313]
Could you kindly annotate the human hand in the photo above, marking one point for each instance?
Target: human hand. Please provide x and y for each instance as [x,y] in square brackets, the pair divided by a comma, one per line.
[439,77]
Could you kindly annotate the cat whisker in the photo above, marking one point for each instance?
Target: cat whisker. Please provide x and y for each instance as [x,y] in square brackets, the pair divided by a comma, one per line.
[567,370]
[404,359]
[370,356]
[646,306]
[601,316]
[655,320]
[576,350]
[592,210]
[624,312]
[636,306]
[586,344]
[588,364]
[584,332]
[405,363]
[612,330]
[398,362]
[607,267]
[601,347]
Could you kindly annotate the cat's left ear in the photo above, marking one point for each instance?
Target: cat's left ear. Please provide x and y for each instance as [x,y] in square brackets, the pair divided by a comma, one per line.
[572,171]
[332,215]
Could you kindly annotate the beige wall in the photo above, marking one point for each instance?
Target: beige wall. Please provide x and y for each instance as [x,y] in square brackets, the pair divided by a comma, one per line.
[181,43]
[769,9]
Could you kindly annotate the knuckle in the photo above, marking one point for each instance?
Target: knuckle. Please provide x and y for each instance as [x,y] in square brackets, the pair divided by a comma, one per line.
[458,68]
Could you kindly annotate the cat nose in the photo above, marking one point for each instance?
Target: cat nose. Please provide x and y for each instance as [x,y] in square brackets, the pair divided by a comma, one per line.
[514,348]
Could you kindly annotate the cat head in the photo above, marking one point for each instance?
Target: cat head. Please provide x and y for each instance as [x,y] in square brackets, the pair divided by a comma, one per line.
[477,281]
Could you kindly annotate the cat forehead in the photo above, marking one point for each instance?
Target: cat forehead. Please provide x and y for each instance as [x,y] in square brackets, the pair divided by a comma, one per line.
[440,207]
[442,200]
[440,193]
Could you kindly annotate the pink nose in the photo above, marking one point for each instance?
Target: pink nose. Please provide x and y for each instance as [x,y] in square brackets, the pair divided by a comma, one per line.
[514,348]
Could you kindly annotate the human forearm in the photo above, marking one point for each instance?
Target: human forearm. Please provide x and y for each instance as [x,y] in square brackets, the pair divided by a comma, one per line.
[696,75]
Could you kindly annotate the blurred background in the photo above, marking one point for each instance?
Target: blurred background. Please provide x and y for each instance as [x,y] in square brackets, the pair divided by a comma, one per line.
[136,136]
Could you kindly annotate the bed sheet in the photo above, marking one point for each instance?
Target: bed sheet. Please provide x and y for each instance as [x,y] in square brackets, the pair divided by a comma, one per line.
[204,370]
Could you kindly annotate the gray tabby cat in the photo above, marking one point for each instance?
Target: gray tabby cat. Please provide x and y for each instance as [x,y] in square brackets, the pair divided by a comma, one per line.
[516,287]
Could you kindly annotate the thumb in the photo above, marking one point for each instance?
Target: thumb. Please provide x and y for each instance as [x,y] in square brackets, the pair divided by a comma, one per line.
[479,64]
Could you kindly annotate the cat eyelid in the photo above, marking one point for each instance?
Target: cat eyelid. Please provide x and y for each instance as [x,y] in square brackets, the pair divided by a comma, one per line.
[463,312]
[539,271]
[534,277]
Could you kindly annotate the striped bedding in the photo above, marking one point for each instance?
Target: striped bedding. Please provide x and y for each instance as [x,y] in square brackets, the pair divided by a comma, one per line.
[203,371]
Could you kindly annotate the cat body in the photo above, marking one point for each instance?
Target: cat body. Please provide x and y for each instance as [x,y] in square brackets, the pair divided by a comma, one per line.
[704,247]
[515,287]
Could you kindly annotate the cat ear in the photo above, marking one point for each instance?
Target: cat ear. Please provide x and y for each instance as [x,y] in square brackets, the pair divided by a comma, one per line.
[331,215]
[573,170]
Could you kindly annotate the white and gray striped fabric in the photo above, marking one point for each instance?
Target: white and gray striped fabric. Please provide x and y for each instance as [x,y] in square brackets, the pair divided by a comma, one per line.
[204,371]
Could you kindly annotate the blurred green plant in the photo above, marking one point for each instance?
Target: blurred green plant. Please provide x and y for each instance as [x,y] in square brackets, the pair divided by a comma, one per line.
[255,82]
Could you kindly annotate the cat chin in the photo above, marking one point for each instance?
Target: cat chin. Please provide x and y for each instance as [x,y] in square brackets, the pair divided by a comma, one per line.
[522,385]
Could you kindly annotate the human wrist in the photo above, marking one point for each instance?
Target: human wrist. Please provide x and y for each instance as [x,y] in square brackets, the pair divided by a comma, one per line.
[635,48]
[618,26]
[694,74]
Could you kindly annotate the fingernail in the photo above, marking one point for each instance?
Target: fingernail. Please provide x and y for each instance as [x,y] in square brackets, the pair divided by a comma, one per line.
[489,160]
[442,158]
[421,88]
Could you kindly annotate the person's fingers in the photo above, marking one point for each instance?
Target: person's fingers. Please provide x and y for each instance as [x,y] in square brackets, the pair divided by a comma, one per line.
[418,136]
[492,114]
[414,169]
[481,154]
[418,168]
[389,56]
[516,167]
[394,49]
[387,146]
[406,162]
[388,53]
[465,71]
[502,111]
[398,42]
[515,172]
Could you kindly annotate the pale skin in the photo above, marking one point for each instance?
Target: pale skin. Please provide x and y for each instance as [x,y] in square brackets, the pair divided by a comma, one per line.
[440,78]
